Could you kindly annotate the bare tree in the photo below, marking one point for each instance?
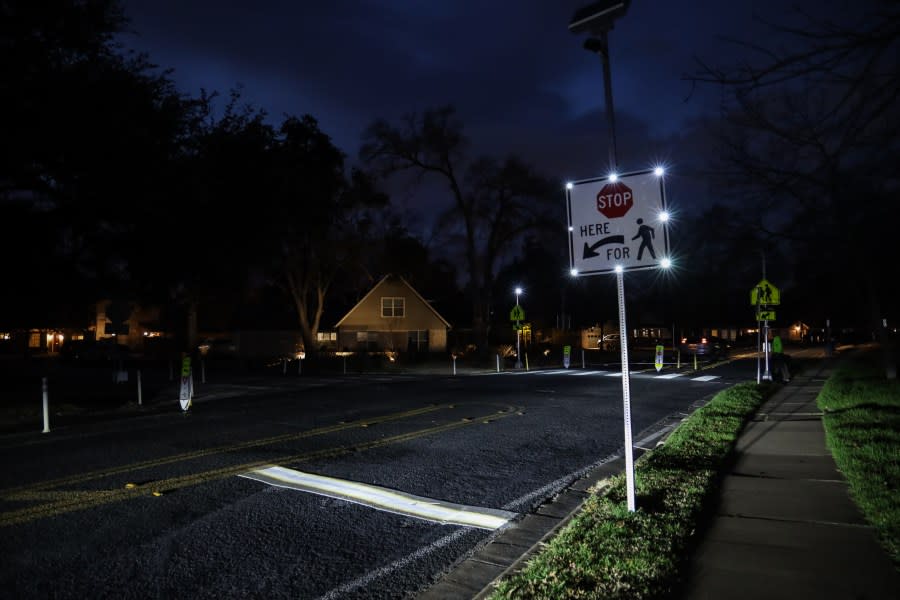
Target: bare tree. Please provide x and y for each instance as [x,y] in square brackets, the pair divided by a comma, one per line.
[810,142]
[494,202]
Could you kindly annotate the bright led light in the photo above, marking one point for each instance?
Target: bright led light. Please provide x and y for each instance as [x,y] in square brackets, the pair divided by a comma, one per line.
[574,272]
[665,263]
[659,171]
[613,177]
[664,216]
[518,290]
[571,228]
[569,185]
[619,269]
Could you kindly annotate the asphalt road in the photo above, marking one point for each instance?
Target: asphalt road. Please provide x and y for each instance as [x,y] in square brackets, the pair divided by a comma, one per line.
[155,505]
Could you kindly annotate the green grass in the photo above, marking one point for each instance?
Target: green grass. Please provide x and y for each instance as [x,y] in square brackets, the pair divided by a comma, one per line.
[607,552]
[862,428]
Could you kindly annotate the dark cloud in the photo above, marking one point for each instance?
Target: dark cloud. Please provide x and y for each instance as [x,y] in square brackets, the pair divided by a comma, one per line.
[521,82]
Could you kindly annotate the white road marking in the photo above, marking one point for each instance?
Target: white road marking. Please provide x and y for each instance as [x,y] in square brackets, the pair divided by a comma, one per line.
[383,498]
[520,503]
[706,378]
[670,376]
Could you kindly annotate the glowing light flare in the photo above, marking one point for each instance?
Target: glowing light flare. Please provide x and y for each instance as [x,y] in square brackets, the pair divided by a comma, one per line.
[659,171]
[574,272]
[663,216]
[619,269]
[665,263]
[613,177]
[569,185]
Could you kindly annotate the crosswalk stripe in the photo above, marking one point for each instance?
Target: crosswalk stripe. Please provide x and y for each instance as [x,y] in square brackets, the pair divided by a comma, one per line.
[383,498]
[705,378]
[670,376]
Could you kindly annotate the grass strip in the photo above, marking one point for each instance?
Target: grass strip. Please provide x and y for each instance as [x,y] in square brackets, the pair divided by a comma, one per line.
[607,552]
[862,429]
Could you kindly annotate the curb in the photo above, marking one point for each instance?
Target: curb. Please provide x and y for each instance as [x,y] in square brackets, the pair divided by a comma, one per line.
[475,576]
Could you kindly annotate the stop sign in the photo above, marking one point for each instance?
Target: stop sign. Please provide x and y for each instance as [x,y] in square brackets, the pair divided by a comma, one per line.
[614,200]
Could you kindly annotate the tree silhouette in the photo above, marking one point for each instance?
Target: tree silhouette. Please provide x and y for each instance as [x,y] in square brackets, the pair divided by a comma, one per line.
[494,202]
[813,127]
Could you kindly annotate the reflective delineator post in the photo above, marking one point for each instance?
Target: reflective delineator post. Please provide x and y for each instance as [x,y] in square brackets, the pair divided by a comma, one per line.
[454,365]
[46,405]
[583,366]
[626,393]
[498,363]
[140,399]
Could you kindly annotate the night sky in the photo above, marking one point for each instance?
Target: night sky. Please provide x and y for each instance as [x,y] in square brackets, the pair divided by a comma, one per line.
[521,82]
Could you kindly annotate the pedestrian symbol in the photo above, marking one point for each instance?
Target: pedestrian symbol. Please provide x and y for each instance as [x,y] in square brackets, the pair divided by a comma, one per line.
[646,233]
[517,313]
[765,294]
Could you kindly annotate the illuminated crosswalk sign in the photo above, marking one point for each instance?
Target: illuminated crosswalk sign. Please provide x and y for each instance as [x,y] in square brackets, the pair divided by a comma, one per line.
[618,222]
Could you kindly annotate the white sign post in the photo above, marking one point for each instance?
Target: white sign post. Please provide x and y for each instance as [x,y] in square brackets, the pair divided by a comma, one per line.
[618,224]
[186,390]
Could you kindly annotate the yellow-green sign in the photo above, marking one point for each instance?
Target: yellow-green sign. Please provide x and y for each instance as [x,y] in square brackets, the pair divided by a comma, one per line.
[765,315]
[517,313]
[186,366]
[765,294]
[659,357]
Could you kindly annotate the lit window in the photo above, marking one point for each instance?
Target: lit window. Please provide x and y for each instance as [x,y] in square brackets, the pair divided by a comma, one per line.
[393,307]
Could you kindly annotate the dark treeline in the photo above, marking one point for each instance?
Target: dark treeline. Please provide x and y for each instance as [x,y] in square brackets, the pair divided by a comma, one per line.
[114,185]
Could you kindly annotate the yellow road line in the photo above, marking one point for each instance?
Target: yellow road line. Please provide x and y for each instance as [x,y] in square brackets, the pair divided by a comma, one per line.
[80,502]
[167,460]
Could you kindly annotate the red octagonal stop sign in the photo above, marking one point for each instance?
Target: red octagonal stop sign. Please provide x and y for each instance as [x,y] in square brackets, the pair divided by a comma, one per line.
[614,200]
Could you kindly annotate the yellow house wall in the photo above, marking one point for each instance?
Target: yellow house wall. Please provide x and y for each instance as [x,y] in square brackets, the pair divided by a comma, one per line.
[417,316]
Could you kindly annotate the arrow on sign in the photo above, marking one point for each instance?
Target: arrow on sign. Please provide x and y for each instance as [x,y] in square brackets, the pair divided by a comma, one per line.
[589,251]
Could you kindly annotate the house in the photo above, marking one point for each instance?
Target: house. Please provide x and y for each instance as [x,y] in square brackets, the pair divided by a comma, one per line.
[393,317]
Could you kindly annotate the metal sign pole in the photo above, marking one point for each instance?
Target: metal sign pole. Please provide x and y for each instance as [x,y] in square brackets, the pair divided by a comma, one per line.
[758,341]
[626,392]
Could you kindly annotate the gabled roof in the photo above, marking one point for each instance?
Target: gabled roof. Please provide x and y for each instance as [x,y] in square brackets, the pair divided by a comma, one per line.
[404,282]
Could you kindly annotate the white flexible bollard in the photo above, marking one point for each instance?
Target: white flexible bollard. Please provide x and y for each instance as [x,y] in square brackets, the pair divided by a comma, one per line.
[46,406]
[140,399]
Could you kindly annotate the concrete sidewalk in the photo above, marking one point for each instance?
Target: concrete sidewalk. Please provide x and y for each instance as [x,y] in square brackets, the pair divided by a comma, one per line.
[786,526]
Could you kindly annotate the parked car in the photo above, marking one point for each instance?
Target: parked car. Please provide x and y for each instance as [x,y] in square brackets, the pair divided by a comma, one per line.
[701,345]
[610,341]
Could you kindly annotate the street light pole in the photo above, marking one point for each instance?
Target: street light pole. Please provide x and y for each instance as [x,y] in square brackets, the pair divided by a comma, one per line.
[600,46]
[518,334]
[597,20]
